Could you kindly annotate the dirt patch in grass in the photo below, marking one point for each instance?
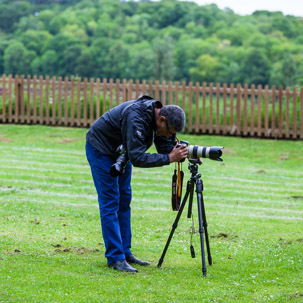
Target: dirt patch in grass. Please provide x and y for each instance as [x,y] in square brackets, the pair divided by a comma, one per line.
[68,140]
[76,250]
[4,139]
[297,294]
[224,236]
[261,172]
[296,197]
[220,235]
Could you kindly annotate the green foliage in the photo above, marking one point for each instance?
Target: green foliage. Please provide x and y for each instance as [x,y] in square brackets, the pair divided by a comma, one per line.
[167,39]
[255,67]
[164,65]
[17,58]
[206,69]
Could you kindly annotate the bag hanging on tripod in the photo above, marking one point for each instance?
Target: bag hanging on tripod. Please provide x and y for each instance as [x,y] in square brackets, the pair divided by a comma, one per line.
[177,183]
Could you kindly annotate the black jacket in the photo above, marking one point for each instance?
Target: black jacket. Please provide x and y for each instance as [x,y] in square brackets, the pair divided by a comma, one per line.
[133,124]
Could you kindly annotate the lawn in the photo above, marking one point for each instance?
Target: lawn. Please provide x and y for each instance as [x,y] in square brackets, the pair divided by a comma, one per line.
[51,247]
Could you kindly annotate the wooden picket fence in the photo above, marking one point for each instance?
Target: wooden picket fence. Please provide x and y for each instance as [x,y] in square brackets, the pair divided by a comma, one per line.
[210,109]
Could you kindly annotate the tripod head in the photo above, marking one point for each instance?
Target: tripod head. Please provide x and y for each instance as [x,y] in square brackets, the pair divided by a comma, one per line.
[193,167]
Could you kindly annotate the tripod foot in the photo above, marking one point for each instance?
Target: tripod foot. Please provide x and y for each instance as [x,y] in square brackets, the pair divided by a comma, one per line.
[160,263]
[210,261]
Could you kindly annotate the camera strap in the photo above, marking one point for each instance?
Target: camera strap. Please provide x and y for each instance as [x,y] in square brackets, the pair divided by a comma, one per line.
[177,183]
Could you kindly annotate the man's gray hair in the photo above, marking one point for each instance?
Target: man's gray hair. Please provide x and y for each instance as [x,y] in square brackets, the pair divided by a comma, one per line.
[174,115]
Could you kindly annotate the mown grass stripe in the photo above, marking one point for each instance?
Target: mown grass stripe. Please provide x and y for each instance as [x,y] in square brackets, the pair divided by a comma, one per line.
[236,209]
[49,181]
[221,190]
[210,197]
[165,170]
[168,175]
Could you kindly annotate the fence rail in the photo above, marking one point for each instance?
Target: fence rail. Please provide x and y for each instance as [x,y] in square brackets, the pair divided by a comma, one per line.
[213,109]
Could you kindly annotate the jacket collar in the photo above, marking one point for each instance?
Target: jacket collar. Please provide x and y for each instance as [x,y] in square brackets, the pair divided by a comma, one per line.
[156,104]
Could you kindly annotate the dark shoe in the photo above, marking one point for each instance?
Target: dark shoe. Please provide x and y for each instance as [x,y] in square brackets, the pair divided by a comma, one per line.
[133,260]
[123,266]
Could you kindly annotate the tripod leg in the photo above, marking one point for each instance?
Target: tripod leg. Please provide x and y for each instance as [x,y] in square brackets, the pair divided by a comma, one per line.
[201,230]
[189,189]
[205,230]
[190,204]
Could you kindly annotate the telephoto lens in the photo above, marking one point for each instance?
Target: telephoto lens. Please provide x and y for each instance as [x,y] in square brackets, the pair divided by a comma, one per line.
[211,152]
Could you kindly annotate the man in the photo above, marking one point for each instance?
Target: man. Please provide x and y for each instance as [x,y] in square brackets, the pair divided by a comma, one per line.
[136,124]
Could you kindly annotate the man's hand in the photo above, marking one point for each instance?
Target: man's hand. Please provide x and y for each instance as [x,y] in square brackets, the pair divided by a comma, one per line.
[178,153]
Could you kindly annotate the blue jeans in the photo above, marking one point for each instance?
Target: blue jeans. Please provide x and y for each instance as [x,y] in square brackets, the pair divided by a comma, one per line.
[114,197]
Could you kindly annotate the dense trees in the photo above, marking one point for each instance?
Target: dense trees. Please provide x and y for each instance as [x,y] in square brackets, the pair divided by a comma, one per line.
[164,40]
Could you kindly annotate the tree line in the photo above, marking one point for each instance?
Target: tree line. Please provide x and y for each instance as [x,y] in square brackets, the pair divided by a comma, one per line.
[165,40]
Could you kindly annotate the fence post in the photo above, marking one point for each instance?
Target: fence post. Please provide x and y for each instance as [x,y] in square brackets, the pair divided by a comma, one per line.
[204,107]
[197,109]
[184,96]
[210,128]
[17,98]
[143,87]
[287,120]
[157,89]
[72,106]
[252,110]
[218,108]
[273,111]
[163,92]
[224,109]
[91,105]
[294,125]
[28,106]
[35,99]
[177,93]
[79,101]
[85,101]
[231,109]
[130,90]
[259,131]
[190,105]
[150,88]
[124,93]
[21,98]
[280,111]
[266,112]
[47,99]
[117,93]
[98,96]
[301,112]
[60,100]
[53,100]
[66,101]
[41,104]
[245,110]
[238,108]
[3,99]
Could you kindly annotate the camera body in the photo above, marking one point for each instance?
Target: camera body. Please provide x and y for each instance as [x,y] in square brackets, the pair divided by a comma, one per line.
[117,169]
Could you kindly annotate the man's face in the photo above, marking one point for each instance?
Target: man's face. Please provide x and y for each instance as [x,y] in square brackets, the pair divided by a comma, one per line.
[163,129]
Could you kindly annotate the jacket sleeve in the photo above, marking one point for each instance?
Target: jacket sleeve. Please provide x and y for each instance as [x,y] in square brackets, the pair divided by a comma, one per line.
[134,131]
[165,145]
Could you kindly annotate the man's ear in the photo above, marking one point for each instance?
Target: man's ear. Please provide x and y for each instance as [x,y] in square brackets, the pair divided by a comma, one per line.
[162,119]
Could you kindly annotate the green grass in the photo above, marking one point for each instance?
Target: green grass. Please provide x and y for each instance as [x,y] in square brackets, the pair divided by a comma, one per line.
[51,248]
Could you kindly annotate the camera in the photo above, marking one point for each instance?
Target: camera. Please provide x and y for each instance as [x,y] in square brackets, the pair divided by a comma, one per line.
[117,169]
[196,151]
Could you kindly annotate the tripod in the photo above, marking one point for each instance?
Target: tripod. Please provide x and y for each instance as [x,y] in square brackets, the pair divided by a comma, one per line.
[194,180]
